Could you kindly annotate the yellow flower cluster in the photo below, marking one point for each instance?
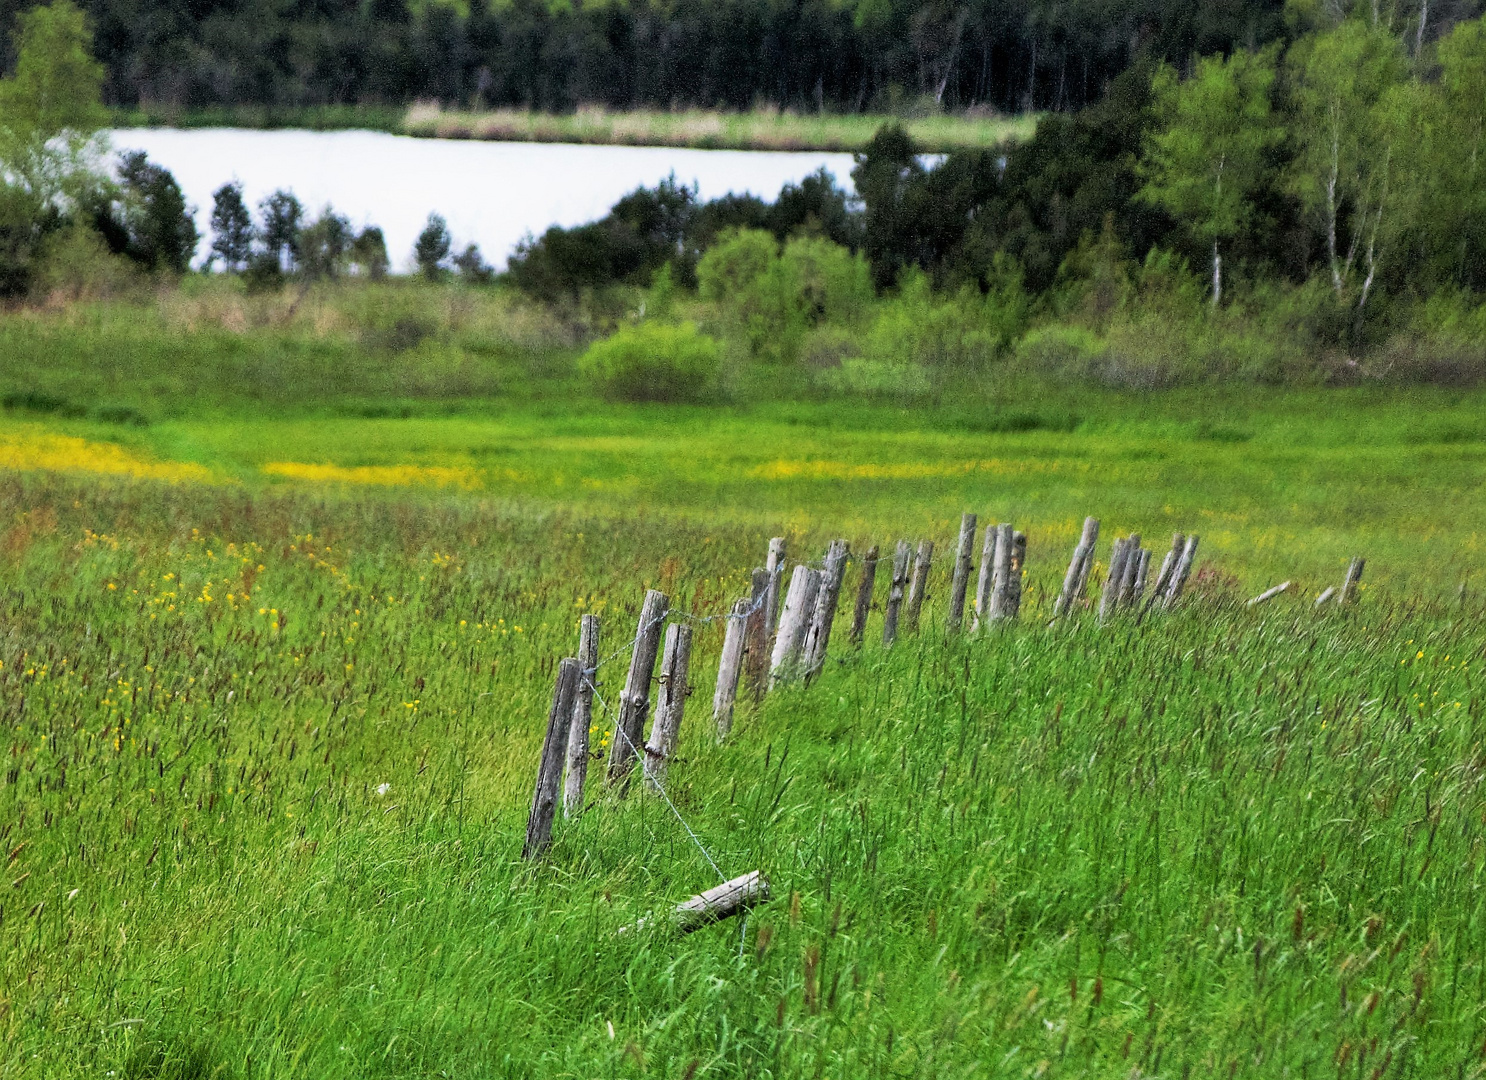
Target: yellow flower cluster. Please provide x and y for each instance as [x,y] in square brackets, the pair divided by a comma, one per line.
[375,475]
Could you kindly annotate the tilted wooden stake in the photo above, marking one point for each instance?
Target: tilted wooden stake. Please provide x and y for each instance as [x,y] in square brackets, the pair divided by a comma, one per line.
[864,595]
[1109,596]
[549,771]
[729,667]
[1073,581]
[799,603]
[1268,594]
[634,701]
[670,704]
[1137,590]
[755,642]
[775,567]
[1353,579]
[1014,585]
[727,899]
[1133,552]
[984,580]
[818,637]
[1168,564]
[918,587]
[1328,593]
[896,590]
[960,579]
[1182,569]
[588,658]
[1001,574]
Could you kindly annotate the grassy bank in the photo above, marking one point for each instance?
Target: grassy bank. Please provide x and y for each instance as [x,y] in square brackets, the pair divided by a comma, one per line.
[389,118]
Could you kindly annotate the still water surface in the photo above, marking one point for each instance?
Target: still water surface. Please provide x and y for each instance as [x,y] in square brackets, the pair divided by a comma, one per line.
[491,193]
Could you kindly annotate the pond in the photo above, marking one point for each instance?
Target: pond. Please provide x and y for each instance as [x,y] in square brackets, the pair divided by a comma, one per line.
[492,194]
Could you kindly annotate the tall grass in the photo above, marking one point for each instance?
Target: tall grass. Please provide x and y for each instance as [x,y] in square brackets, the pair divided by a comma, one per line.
[1227,842]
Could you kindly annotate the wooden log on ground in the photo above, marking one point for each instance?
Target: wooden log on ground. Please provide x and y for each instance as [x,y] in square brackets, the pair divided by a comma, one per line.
[670,705]
[755,641]
[1353,579]
[1143,565]
[960,578]
[1328,593]
[1074,578]
[799,602]
[1014,585]
[729,668]
[1001,574]
[549,770]
[1181,571]
[775,567]
[1133,551]
[864,595]
[818,637]
[1268,594]
[918,586]
[1109,596]
[634,701]
[896,591]
[725,900]
[588,658]
[985,580]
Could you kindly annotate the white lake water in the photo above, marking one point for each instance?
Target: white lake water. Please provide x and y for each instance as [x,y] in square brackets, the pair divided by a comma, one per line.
[492,194]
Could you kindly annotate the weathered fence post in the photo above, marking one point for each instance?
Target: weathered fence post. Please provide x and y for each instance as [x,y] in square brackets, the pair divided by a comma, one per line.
[1168,564]
[775,567]
[670,703]
[960,579]
[1326,594]
[818,637]
[1181,570]
[984,580]
[1268,594]
[1014,586]
[1353,579]
[634,702]
[1137,587]
[755,643]
[1001,574]
[864,595]
[1133,553]
[919,585]
[1109,596]
[895,592]
[549,771]
[799,603]
[588,658]
[729,667]
[1073,581]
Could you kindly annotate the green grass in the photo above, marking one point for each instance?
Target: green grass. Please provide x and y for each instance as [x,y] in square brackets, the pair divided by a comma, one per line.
[1224,842]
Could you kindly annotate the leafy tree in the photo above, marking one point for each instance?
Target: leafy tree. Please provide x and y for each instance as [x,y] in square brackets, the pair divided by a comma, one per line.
[232,227]
[1208,157]
[472,266]
[1456,207]
[369,253]
[282,217]
[432,247]
[325,245]
[161,231]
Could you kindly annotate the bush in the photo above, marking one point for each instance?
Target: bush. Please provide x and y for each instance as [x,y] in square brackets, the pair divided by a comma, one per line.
[652,362]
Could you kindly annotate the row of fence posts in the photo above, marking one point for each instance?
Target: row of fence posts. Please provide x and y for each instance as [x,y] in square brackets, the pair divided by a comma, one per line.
[775,636]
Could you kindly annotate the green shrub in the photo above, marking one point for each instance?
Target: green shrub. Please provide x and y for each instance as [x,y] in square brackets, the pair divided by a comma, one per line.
[652,362]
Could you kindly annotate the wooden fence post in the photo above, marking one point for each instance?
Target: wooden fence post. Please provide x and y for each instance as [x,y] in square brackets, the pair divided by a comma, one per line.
[818,637]
[1328,593]
[755,643]
[1137,587]
[1268,594]
[1181,570]
[634,702]
[1353,578]
[729,667]
[1168,564]
[985,579]
[864,595]
[960,579]
[549,771]
[588,658]
[775,567]
[1014,585]
[1109,596]
[670,703]
[895,592]
[799,603]
[1073,581]
[1001,574]
[1133,553]
[919,585]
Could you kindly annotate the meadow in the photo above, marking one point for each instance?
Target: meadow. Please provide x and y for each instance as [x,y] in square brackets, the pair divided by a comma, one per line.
[282,594]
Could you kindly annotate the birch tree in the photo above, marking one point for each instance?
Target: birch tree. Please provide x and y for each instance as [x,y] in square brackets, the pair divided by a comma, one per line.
[1207,156]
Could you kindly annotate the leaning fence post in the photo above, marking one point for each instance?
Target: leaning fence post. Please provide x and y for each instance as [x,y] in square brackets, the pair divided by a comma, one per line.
[864,595]
[634,702]
[549,771]
[1268,594]
[799,602]
[1133,553]
[1168,564]
[1077,568]
[1001,574]
[1137,587]
[919,585]
[755,643]
[1014,585]
[901,558]
[818,637]
[1353,578]
[588,658]
[729,667]
[1109,596]
[985,580]
[670,703]
[1181,570]
[960,580]
[775,567]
